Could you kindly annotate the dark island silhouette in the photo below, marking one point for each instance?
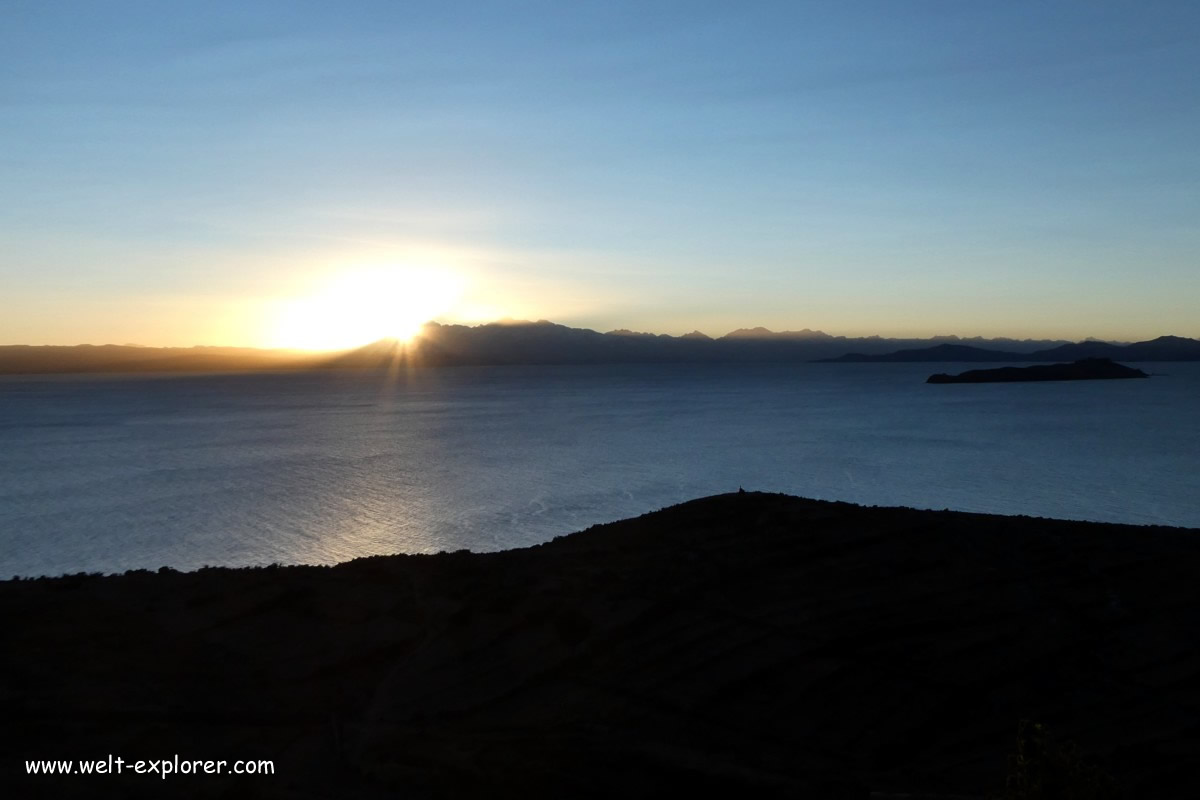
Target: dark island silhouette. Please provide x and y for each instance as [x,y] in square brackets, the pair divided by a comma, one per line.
[740,645]
[1086,369]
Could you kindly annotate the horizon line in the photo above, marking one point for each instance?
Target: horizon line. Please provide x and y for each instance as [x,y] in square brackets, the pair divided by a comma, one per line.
[757,331]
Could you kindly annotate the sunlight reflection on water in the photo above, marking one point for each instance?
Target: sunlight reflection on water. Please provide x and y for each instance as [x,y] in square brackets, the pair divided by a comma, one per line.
[109,473]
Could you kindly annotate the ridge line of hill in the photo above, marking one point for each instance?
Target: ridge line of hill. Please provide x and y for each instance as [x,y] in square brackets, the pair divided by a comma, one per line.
[743,644]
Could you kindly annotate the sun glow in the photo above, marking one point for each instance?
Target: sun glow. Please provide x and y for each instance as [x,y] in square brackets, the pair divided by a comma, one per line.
[359,306]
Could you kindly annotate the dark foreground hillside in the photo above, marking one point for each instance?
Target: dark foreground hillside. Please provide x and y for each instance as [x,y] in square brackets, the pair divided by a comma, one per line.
[745,642]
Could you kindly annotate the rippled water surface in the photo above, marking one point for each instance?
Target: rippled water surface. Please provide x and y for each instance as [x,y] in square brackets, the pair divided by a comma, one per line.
[112,473]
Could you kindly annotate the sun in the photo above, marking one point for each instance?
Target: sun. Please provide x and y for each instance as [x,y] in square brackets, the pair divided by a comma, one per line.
[358,306]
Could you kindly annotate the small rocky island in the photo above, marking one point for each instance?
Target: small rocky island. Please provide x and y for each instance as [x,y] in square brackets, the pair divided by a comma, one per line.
[1087,369]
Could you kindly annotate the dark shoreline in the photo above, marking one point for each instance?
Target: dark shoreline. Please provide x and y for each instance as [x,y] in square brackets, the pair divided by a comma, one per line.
[547,343]
[740,643]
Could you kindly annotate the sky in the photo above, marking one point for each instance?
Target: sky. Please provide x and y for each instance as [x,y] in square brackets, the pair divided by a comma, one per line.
[320,174]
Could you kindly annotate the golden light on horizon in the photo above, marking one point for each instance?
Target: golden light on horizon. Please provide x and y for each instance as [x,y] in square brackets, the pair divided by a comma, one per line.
[357,306]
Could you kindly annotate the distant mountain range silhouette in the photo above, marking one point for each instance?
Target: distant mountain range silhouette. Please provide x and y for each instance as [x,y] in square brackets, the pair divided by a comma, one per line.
[113,358]
[543,342]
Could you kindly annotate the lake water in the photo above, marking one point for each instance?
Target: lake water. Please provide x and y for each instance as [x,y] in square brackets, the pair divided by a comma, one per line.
[118,472]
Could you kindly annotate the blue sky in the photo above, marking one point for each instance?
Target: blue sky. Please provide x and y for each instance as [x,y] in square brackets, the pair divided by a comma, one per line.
[177,173]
